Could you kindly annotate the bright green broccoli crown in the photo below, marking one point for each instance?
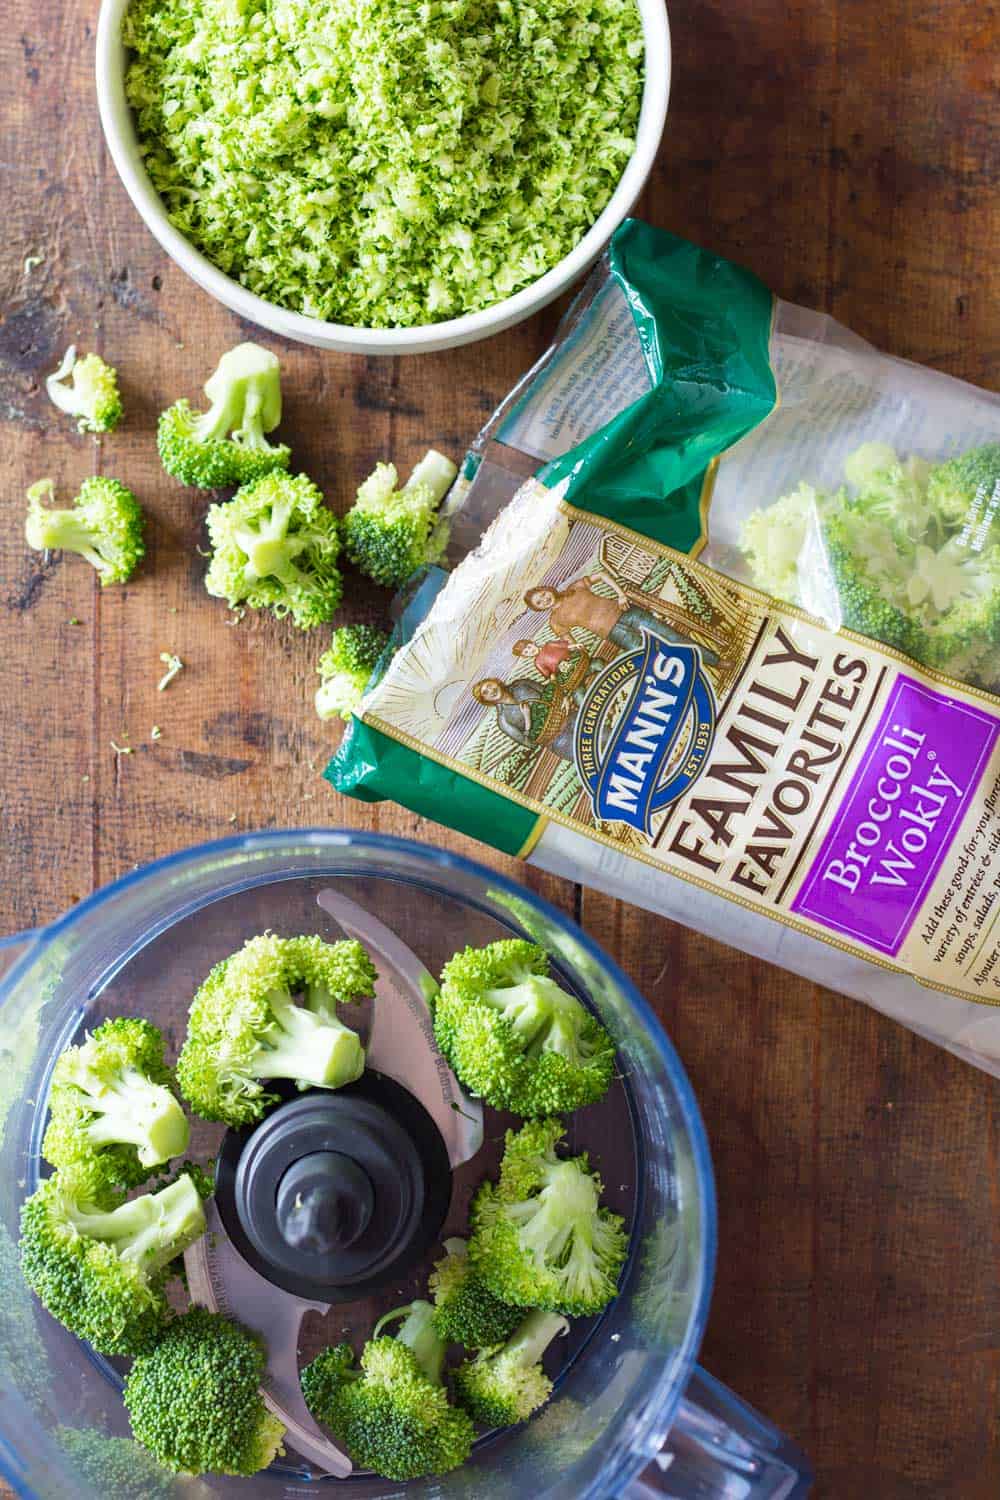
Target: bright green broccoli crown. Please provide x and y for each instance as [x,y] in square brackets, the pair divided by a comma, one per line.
[91,395]
[514,1036]
[195,1401]
[115,1467]
[245,1026]
[275,546]
[465,1310]
[226,444]
[104,525]
[111,1098]
[503,1386]
[540,1237]
[870,579]
[345,668]
[102,1271]
[392,532]
[391,1415]
[773,538]
[965,491]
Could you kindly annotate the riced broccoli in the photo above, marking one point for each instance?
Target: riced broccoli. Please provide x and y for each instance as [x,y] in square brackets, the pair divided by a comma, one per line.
[514,1036]
[391,532]
[102,1270]
[104,525]
[92,393]
[540,1236]
[195,1401]
[111,1105]
[391,1412]
[275,546]
[465,1310]
[503,1386]
[247,1025]
[345,667]
[227,443]
[908,554]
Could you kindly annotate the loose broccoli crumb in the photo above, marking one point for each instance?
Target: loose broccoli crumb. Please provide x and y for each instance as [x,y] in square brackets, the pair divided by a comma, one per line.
[195,1401]
[227,443]
[391,532]
[388,164]
[173,665]
[104,525]
[92,394]
[345,667]
[275,546]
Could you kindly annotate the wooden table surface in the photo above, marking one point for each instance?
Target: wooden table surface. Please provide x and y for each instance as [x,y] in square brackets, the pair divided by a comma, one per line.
[847,153]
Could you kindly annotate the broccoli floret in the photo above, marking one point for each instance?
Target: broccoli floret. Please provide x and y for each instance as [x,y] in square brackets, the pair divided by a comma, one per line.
[391,532]
[275,546]
[514,1036]
[966,490]
[772,539]
[503,1386]
[465,1310]
[540,1237]
[245,1025]
[226,444]
[893,492]
[111,1104]
[345,668]
[104,524]
[114,1467]
[392,1414]
[195,1399]
[92,395]
[102,1271]
[870,580]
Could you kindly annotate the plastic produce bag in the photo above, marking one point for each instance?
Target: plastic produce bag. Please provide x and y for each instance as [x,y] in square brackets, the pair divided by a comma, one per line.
[719,634]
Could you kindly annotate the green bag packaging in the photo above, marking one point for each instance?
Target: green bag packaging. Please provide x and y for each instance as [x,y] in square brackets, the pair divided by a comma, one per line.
[718,633]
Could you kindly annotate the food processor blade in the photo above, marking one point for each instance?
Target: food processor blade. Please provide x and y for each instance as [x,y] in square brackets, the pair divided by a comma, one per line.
[219,1278]
[401,1043]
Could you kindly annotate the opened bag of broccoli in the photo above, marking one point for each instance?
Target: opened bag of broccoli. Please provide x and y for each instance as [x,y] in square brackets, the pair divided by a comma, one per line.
[718,632]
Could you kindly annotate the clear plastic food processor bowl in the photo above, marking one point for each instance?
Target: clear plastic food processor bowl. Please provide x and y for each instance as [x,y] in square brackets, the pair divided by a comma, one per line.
[631,1414]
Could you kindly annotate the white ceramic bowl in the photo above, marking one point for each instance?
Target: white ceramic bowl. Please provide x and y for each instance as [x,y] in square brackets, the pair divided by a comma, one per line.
[119,131]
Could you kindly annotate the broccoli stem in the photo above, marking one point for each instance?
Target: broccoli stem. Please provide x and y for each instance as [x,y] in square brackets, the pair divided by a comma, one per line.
[436,472]
[419,1334]
[146,1115]
[150,1230]
[324,1053]
[533,1007]
[245,393]
[563,1211]
[61,529]
[530,1340]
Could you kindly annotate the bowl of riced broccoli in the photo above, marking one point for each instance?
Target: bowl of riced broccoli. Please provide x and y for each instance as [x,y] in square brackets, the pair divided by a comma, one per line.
[383,176]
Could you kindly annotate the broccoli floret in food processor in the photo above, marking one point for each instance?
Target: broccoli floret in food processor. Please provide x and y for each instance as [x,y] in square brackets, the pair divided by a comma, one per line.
[391,1411]
[515,1037]
[465,1310]
[270,1011]
[195,1399]
[503,1386]
[112,1107]
[540,1236]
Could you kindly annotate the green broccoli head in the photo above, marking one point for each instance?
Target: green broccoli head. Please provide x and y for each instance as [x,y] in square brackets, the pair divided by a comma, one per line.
[91,395]
[245,1026]
[100,1270]
[227,444]
[540,1236]
[892,492]
[391,532]
[391,1414]
[465,1310]
[773,537]
[870,578]
[115,1467]
[966,490]
[275,546]
[514,1036]
[104,525]
[111,1105]
[195,1401]
[345,668]
[503,1386]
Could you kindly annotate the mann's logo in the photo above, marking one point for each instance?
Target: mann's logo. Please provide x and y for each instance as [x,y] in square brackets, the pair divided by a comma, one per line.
[644,731]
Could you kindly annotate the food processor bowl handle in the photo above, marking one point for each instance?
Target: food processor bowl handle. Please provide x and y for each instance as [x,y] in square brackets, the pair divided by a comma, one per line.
[721,1449]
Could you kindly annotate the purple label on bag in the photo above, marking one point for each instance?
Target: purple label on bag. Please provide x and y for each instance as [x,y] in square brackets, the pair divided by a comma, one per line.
[899,813]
